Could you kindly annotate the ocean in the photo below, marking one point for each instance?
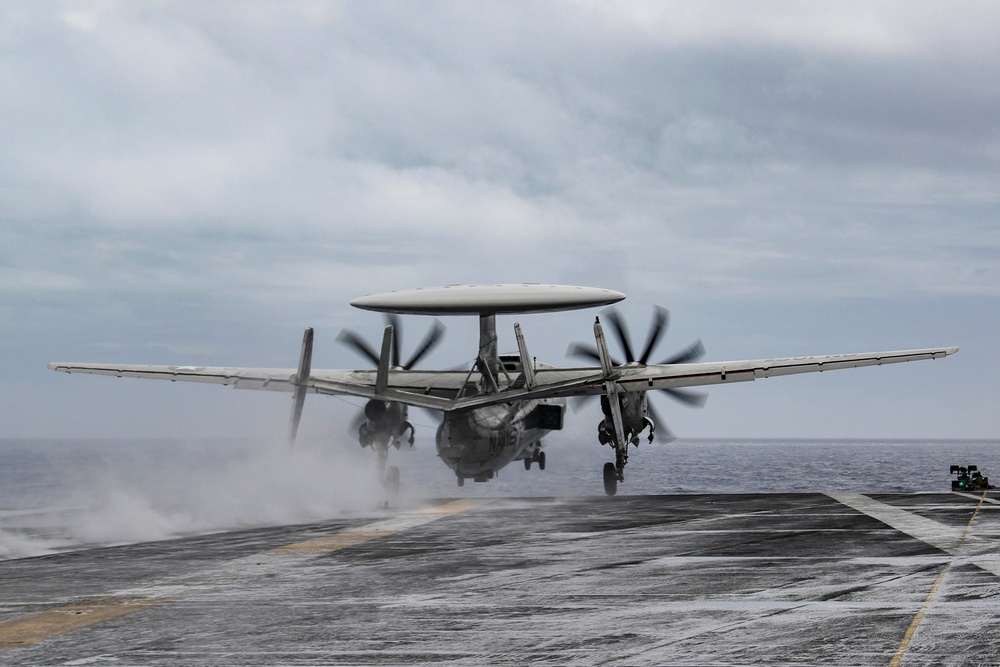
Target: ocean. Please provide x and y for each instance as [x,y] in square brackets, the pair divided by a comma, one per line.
[58,495]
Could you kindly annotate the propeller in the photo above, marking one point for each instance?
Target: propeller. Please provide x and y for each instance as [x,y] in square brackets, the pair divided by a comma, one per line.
[379,418]
[657,328]
[359,345]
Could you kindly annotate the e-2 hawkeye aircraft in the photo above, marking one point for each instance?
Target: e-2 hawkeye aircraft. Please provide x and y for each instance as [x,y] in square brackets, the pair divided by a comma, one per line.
[498,411]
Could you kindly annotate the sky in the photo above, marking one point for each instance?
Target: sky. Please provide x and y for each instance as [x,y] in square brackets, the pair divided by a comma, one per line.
[196,183]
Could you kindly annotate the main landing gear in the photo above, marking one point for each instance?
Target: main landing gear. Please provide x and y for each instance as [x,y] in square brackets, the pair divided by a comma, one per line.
[610,479]
[391,481]
[625,409]
[615,472]
[387,474]
[538,458]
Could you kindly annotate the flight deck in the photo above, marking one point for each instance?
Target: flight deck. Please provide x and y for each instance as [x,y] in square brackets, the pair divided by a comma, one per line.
[728,579]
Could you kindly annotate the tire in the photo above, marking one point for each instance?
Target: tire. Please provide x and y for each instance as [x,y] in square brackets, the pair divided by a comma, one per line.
[610,479]
[527,464]
[541,460]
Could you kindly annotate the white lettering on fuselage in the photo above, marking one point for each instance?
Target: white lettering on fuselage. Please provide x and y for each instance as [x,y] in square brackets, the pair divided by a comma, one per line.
[500,440]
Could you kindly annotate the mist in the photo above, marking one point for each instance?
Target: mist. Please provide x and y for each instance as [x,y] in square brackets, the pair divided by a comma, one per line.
[115,492]
[61,495]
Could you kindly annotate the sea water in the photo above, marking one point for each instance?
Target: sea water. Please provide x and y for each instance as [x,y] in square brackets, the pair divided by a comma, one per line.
[61,494]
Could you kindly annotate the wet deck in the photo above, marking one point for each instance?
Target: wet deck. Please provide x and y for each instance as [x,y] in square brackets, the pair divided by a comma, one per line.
[773,579]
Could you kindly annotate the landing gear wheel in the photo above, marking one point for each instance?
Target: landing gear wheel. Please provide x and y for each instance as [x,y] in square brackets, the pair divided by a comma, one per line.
[610,479]
[541,460]
[392,481]
[527,464]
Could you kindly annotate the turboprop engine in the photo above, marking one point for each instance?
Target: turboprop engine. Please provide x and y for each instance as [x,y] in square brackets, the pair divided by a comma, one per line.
[384,422]
[632,410]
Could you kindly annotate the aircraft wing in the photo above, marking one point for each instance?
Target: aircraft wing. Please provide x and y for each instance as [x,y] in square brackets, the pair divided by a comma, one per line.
[440,390]
[274,379]
[579,382]
[428,389]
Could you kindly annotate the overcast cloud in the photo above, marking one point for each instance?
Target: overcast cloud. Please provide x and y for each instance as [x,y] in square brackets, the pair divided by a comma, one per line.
[192,182]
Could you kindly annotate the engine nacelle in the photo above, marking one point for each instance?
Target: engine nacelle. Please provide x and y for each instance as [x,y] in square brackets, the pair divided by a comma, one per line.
[634,419]
[385,423]
[375,410]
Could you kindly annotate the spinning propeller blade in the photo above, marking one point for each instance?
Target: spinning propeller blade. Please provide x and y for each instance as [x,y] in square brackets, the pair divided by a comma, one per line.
[584,351]
[657,327]
[353,341]
[693,398]
[430,341]
[692,352]
[662,430]
[358,344]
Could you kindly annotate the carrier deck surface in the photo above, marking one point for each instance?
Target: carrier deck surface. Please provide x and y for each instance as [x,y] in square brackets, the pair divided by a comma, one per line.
[777,579]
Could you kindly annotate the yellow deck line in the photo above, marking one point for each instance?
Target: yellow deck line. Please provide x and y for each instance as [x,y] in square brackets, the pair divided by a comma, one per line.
[897,658]
[335,541]
[351,538]
[35,627]
[454,507]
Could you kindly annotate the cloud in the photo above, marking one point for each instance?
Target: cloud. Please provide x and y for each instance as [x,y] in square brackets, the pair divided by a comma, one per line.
[172,169]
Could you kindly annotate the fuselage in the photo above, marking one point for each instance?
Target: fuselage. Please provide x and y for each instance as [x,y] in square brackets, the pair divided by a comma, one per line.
[479,442]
